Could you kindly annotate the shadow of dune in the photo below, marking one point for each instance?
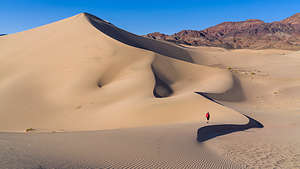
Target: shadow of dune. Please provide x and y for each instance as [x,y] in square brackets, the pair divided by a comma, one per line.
[208,132]
[128,38]
[235,94]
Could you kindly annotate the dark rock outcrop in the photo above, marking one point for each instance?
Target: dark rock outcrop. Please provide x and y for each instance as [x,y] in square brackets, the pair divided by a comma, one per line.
[252,34]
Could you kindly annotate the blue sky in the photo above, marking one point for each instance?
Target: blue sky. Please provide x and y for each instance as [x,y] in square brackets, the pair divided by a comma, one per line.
[141,16]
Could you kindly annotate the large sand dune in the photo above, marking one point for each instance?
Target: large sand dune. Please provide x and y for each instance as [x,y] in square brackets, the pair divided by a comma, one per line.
[80,74]
[146,98]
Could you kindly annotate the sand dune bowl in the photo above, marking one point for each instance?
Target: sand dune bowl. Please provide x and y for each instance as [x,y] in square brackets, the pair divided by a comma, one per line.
[123,100]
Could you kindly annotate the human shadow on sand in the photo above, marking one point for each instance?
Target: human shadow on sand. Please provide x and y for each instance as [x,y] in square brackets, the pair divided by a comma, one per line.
[208,132]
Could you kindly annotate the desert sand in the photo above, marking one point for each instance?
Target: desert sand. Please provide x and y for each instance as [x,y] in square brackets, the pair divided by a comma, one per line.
[97,96]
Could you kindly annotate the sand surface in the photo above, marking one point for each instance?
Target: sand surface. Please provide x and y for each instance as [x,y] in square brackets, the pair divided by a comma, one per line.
[100,97]
[266,89]
[173,146]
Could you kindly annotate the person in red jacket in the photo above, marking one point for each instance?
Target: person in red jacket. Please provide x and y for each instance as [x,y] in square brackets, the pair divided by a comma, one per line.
[207,115]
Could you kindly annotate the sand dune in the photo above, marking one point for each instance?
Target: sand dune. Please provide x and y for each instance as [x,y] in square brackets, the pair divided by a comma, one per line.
[50,78]
[83,73]
[267,90]
[273,75]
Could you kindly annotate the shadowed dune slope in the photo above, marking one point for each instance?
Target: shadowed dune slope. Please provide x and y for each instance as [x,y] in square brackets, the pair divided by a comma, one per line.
[163,48]
[82,73]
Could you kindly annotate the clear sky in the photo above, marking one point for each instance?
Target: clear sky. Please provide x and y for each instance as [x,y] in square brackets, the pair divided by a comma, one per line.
[144,16]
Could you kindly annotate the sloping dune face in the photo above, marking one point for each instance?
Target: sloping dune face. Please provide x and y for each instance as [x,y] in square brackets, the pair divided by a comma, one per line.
[83,73]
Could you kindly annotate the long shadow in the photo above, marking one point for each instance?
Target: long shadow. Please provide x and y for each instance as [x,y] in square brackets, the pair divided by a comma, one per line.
[208,132]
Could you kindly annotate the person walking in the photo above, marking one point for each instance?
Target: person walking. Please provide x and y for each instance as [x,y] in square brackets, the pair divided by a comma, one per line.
[207,115]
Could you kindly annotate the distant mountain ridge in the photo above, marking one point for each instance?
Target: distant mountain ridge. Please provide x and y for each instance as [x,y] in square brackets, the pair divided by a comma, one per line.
[251,34]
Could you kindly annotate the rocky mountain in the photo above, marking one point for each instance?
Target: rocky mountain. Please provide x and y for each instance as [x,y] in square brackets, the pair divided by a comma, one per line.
[252,34]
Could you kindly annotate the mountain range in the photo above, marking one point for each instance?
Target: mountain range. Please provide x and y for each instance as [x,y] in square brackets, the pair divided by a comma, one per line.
[251,34]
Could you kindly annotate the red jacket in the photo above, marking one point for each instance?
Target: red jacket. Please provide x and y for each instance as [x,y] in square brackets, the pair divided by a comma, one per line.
[207,114]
